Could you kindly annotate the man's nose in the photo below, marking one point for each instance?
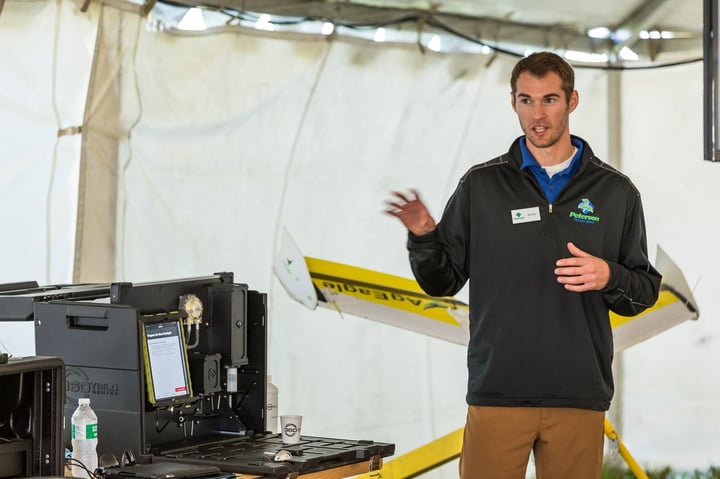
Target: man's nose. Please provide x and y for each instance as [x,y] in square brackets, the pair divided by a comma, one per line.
[538,111]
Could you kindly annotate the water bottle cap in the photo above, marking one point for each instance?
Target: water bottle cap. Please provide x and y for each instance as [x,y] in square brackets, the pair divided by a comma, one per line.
[84,401]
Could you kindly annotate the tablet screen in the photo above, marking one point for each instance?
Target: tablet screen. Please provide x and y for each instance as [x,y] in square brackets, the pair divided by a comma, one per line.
[166,361]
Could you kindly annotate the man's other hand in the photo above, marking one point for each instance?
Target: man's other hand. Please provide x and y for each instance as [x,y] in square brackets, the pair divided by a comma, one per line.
[582,271]
[411,211]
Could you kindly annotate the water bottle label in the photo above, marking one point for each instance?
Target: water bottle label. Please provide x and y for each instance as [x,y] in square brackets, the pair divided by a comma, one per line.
[89,431]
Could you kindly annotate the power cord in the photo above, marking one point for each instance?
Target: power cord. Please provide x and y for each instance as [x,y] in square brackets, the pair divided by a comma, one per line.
[75,462]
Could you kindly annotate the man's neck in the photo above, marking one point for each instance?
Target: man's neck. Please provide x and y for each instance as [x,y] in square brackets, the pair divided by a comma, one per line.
[552,155]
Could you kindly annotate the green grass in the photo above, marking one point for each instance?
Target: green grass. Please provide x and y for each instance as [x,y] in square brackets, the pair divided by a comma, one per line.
[612,472]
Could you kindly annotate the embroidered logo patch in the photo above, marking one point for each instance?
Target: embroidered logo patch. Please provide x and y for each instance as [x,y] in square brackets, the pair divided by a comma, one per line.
[585,206]
[586,213]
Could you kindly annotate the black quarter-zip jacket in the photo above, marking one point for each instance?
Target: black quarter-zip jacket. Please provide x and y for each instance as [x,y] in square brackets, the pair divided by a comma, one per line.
[532,342]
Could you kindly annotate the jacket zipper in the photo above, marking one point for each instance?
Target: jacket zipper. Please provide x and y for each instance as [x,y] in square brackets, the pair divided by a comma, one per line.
[549,207]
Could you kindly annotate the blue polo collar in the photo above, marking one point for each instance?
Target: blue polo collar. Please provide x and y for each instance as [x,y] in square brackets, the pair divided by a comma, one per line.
[528,160]
[551,186]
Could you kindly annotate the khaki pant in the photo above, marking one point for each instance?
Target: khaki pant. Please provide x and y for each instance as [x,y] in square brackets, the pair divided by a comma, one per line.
[567,443]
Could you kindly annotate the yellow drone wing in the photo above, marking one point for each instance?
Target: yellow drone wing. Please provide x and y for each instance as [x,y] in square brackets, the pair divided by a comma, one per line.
[402,303]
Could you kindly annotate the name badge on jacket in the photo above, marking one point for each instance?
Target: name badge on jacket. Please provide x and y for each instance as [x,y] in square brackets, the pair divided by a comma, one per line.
[525,215]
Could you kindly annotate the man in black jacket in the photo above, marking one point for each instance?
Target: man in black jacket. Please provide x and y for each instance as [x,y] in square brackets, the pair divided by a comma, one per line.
[551,239]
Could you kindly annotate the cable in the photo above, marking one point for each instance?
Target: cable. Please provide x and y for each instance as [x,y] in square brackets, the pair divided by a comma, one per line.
[197,336]
[17,409]
[293,150]
[430,19]
[245,395]
[605,67]
[76,462]
[4,347]
[159,428]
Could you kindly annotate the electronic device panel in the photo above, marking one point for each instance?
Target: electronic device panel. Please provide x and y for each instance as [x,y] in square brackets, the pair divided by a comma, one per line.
[163,296]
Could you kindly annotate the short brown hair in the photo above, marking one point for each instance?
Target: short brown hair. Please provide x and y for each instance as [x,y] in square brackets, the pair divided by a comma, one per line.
[540,64]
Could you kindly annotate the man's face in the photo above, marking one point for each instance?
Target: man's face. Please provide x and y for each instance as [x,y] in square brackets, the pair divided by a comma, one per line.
[542,108]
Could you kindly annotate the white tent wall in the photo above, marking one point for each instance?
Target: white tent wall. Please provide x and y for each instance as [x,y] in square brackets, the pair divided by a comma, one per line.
[45,51]
[40,94]
[239,135]
[671,385]
[205,181]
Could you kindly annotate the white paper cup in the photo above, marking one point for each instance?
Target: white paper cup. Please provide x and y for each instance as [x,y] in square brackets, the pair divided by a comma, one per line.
[290,428]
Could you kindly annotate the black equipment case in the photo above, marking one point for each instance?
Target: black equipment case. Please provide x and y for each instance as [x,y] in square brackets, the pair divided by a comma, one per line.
[101,347]
[31,417]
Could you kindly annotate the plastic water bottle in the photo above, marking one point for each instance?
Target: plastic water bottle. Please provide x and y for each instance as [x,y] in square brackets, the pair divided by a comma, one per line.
[84,438]
[271,407]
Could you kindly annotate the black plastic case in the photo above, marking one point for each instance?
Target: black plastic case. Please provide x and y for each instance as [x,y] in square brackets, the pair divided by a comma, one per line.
[31,417]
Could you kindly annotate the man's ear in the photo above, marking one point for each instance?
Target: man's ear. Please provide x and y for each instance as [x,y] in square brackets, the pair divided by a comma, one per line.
[574,100]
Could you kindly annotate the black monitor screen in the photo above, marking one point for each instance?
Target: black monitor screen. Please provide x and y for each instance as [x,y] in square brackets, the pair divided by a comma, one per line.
[166,368]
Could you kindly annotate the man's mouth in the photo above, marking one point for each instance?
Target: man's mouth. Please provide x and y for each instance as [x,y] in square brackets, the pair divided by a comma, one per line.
[539,129]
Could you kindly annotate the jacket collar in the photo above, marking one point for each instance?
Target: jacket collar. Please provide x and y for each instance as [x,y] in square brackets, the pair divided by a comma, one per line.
[516,159]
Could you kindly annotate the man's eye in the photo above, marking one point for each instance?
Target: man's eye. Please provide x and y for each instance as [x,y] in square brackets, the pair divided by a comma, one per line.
[550,100]
[525,101]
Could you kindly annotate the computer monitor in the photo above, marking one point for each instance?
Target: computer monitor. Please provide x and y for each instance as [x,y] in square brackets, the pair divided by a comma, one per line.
[165,360]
